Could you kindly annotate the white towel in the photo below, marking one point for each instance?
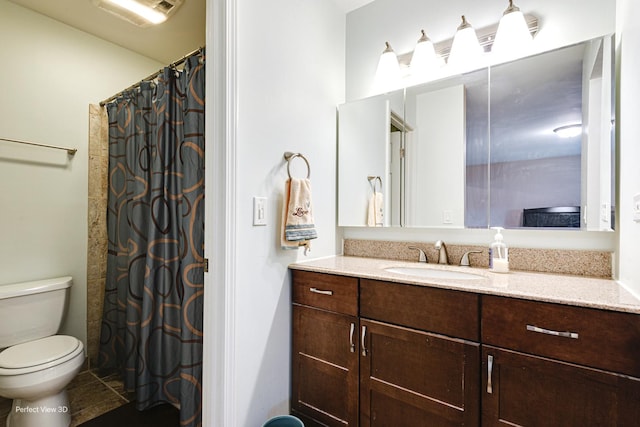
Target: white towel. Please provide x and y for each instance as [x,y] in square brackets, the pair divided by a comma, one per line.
[297,215]
[375,210]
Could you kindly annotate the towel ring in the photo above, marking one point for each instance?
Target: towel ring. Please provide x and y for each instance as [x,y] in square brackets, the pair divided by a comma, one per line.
[288,156]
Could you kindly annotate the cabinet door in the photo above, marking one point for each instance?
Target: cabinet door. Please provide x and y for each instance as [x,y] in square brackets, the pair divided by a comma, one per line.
[412,378]
[524,390]
[325,367]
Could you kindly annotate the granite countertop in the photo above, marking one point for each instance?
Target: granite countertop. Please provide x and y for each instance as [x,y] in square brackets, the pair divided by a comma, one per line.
[564,289]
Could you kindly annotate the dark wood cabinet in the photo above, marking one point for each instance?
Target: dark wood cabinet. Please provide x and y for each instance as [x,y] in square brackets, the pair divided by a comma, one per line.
[401,369]
[375,353]
[416,378]
[532,391]
[325,366]
[548,364]
[325,350]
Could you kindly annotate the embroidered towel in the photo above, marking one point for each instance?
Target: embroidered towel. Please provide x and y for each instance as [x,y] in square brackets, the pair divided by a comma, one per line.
[297,210]
[375,210]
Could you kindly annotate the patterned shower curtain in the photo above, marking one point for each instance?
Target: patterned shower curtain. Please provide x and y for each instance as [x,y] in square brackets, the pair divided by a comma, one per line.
[152,316]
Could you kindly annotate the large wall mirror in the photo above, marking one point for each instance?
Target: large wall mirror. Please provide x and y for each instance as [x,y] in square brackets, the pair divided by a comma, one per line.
[487,148]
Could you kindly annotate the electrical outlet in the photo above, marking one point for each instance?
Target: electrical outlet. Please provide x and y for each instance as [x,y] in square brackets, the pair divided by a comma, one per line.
[259,210]
[636,207]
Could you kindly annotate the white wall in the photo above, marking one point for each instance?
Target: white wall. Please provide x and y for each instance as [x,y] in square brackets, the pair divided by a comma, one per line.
[50,74]
[629,150]
[284,66]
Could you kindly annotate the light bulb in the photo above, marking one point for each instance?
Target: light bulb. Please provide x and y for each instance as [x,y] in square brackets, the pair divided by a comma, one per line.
[424,59]
[513,37]
[465,50]
[388,72]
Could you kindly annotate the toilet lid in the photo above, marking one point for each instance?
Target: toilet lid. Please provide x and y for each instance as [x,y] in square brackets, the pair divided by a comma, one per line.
[38,352]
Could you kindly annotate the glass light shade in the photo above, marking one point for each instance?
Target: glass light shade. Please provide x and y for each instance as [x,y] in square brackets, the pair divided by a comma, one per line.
[513,37]
[141,10]
[465,50]
[388,72]
[568,131]
[424,59]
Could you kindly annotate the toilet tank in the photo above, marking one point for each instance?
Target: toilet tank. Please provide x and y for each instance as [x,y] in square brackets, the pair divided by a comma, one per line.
[32,310]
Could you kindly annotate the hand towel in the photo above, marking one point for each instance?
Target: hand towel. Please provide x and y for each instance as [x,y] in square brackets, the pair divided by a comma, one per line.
[297,215]
[375,210]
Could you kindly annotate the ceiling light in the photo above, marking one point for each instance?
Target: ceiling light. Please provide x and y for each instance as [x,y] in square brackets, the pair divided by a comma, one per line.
[465,50]
[424,58]
[140,12]
[388,72]
[568,131]
[513,36]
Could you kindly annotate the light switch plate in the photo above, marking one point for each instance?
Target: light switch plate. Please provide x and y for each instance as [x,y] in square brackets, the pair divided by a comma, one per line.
[636,207]
[605,212]
[447,217]
[259,210]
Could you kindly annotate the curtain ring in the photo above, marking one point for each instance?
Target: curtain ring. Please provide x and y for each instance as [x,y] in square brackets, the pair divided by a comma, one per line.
[288,156]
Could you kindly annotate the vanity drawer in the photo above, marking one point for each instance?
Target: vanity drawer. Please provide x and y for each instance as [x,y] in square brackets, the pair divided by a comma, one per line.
[597,338]
[326,291]
[442,311]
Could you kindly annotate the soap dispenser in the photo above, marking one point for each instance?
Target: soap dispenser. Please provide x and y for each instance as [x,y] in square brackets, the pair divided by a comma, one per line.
[498,253]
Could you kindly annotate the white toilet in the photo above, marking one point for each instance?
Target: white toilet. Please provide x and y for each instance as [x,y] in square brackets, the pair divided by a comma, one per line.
[35,364]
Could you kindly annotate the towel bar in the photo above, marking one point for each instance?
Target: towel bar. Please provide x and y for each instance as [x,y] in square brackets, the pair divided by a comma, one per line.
[70,151]
[288,156]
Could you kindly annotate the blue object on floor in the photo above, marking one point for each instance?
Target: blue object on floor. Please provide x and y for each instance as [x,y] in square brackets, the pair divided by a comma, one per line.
[284,421]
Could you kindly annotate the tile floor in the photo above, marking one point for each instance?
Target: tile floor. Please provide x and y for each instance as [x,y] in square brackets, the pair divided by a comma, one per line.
[89,397]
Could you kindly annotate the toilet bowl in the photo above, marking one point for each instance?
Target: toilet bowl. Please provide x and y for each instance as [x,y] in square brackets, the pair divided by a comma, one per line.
[35,365]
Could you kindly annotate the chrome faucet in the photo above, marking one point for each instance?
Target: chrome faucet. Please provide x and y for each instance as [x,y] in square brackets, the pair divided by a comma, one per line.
[443,258]
[464,261]
[423,256]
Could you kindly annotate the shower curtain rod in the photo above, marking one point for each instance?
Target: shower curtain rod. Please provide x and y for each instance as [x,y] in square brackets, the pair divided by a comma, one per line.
[151,76]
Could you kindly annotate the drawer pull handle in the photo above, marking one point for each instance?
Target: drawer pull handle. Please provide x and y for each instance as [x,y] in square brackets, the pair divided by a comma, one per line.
[489,374]
[532,328]
[364,347]
[320,291]
[353,346]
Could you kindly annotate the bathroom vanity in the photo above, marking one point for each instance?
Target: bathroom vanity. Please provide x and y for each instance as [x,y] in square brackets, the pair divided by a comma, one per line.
[372,346]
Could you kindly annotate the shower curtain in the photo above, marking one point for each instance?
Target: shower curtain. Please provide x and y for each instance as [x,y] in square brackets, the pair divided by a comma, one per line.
[152,315]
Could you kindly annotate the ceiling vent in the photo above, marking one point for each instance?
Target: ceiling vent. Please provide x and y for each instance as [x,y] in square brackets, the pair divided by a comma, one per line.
[142,13]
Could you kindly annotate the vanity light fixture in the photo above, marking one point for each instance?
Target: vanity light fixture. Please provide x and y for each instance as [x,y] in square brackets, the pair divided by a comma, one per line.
[568,131]
[466,49]
[388,71]
[513,36]
[424,59]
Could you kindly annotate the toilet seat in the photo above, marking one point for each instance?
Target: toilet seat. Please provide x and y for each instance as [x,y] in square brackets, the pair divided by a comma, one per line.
[33,356]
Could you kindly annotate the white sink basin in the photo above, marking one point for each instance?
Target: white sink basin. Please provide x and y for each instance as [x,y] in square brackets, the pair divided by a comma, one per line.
[432,273]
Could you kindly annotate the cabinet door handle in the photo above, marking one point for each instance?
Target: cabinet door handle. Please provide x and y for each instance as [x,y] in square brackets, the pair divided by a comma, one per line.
[320,291]
[489,373]
[353,346]
[533,328]
[364,347]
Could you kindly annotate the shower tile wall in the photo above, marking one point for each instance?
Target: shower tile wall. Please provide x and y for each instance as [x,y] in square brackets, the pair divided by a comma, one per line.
[97,244]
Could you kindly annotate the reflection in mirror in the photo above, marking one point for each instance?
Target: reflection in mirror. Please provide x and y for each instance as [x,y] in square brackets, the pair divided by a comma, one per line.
[480,150]
[536,177]
[369,162]
[435,148]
